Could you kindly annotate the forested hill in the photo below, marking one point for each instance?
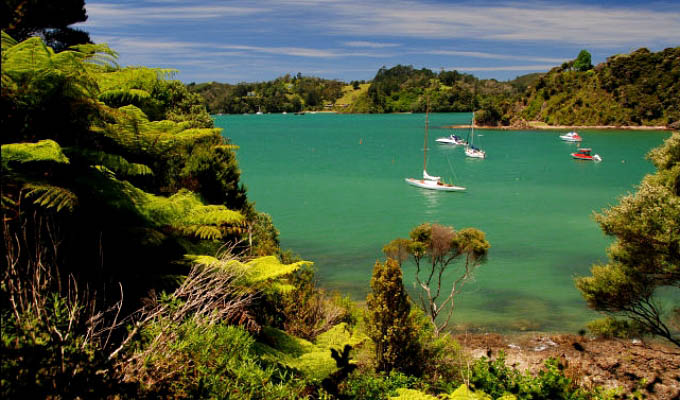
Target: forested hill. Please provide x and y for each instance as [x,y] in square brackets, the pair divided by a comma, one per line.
[287,93]
[640,88]
[398,89]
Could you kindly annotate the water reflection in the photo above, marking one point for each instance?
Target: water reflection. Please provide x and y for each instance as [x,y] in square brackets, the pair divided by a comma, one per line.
[431,200]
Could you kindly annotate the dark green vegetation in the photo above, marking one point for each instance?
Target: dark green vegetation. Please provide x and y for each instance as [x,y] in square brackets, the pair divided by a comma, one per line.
[50,20]
[645,257]
[136,267]
[641,88]
[289,94]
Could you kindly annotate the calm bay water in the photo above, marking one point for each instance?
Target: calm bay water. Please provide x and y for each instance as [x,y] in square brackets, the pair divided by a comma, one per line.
[334,185]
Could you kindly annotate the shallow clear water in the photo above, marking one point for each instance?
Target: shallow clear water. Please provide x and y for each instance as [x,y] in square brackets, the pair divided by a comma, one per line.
[334,185]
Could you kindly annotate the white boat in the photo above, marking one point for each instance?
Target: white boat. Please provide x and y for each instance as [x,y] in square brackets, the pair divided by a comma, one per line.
[571,137]
[428,181]
[470,149]
[452,139]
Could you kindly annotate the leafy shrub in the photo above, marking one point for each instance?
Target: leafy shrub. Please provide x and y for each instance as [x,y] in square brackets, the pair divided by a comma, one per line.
[307,311]
[616,328]
[362,385]
[46,353]
[497,379]
[209,361]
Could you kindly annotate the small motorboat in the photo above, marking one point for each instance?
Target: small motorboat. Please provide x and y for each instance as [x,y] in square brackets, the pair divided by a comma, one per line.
[452,139]
[571,137]
[585,154]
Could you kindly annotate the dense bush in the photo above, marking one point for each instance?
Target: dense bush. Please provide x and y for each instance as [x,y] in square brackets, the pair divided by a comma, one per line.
[495,378]
[616,328]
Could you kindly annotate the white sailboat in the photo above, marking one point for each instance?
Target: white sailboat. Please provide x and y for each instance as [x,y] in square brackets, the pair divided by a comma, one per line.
[428,181]
[470,149]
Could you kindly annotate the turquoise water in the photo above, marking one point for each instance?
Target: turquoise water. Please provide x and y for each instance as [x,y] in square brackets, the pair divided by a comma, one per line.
[334,185]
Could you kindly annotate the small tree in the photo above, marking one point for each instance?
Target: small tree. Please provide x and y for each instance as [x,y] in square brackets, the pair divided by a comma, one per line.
[436,250]
[390,323]
[646,253]
[583,61]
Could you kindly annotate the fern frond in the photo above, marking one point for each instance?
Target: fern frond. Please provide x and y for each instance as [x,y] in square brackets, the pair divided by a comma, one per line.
[227,147]
[98,54]
[50,196]
[205,232]
[43,150]
[186,213]
[7,41]
[270,267]
[124,95]
[201,259]
[112,162]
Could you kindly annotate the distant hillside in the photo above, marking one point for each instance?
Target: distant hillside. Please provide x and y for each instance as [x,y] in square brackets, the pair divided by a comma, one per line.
[406,89]
[287,93]
[640,88]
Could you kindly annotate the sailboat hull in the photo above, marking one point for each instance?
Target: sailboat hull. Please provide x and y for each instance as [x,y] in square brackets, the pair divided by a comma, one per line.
[434,185]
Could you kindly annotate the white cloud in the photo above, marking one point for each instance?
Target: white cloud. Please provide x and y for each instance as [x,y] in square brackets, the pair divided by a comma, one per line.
[372,45]
[528,21]
[102,15]
[493,56]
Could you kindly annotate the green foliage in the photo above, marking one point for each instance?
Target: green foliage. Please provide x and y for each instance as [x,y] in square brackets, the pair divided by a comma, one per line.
[616,328]
[48,353]
[286,93]
[312,360]
[635,89]
[133,157]
[49,196]
[495,378]
[390,324]
[264,236]
[435,250]
[44,150]
[211,361]
[363,385]
[307,310]
[464,393]
[47,19]
[583,61]
[645,255]
[411,394]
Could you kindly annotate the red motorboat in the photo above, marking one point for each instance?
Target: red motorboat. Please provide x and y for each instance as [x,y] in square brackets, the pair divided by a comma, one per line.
[585,154]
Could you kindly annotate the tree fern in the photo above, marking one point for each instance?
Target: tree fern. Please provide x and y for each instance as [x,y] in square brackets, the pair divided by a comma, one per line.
[43,150]
[50,196]
[112,162]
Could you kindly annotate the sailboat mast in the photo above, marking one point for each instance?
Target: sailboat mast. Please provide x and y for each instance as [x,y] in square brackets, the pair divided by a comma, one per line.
[427,114]
[472,129]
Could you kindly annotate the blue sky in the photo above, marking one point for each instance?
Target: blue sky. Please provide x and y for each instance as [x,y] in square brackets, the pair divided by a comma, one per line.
[248,41]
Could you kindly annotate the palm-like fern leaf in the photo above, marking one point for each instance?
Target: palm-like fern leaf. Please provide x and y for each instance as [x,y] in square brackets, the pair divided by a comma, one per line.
[50,196]
[112,162]
[43,150]
[264,273]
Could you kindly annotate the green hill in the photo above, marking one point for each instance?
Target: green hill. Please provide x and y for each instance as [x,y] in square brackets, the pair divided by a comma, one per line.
[640,88]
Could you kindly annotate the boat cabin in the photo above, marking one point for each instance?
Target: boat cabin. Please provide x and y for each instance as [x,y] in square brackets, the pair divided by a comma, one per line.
[585,152]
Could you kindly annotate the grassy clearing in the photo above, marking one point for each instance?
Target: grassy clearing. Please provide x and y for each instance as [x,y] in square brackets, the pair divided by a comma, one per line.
[349,95]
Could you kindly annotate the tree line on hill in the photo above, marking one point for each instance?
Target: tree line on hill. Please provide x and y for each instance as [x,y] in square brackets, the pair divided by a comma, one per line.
[640,88]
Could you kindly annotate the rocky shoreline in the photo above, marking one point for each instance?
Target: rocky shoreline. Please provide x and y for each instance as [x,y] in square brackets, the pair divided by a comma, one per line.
[650,366]
[543,126]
